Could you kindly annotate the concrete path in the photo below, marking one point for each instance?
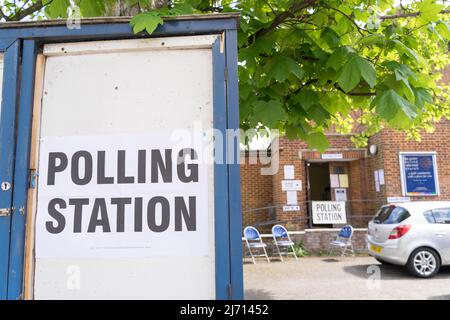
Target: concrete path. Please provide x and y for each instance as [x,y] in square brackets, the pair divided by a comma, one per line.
[339,278]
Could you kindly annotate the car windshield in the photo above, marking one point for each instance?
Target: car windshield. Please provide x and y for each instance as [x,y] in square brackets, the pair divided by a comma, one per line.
[391,215]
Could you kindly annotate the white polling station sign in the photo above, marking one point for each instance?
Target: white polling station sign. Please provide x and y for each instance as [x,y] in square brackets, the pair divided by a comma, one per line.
[329,212]
[121,196]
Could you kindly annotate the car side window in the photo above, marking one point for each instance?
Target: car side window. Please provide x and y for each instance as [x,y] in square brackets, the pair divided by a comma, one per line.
[441,215]
[429,216]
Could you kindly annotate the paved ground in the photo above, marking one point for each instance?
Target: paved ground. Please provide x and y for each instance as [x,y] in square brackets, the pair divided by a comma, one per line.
[339,278]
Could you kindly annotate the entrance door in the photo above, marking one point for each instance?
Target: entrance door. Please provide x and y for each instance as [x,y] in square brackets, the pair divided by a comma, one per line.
[8,88]
[318,185]
[319,181]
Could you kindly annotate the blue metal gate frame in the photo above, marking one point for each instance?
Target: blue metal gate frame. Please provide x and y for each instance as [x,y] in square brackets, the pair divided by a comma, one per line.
[24,40]
[10,48]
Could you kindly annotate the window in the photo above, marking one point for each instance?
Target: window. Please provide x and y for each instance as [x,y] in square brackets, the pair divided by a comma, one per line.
[391,215]
[419,174]
[429,216]
[339,170]
[438,215]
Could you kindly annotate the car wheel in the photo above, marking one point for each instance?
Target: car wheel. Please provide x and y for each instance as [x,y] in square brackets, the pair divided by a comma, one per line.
[424,263]
[385,263]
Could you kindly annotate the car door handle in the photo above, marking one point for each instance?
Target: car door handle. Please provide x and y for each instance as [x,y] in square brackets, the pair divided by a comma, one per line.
[440,233]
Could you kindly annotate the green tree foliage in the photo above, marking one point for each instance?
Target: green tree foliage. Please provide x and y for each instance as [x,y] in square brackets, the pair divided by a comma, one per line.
[306,66]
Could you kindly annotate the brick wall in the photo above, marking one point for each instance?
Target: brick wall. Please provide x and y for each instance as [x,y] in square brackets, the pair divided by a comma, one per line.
[256,191]
[289,155]
[394,142]
[372,163]
[318,241]
[361,205]
[446,75]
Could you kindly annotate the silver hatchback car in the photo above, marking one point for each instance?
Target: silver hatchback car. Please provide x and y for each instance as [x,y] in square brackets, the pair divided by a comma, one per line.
[412,234]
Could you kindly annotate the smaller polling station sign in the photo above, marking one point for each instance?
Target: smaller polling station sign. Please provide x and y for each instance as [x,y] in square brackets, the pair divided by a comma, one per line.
[419,174]
[329,212]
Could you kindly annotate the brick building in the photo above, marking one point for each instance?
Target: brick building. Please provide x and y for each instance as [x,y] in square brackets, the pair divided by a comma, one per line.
[369,179]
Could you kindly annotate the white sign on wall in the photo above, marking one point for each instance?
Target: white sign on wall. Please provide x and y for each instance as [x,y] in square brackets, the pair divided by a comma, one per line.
[398,199]
[291,185]
[381,176]
[340,194]
[332,156]
[291,208]
[289,172]
[377,181]
[121,196]
[334,180]
[329,212]
[291,197]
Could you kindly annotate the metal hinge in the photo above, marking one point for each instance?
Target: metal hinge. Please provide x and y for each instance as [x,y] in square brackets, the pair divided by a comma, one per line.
[5,212]
[230,291]
[33,178]
[225,74]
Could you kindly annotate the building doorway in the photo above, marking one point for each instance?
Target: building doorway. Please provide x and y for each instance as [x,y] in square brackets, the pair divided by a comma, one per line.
[327,181]
[319,181]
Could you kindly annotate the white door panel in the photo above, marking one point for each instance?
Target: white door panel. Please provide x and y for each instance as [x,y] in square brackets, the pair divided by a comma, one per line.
[119,89]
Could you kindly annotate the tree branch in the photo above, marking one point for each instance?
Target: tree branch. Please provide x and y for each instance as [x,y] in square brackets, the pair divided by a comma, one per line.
[19,15]
[355,94]
[405,15]
[360,30]
[298,6]
[2,15]
[280,18]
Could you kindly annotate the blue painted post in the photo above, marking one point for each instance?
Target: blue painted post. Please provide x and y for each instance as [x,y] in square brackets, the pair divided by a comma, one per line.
[234,177]
[21,172]
[222,250]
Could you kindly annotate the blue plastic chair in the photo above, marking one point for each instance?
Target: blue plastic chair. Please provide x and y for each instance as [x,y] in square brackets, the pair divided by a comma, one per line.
[253,240]
[343,241]
[282,239]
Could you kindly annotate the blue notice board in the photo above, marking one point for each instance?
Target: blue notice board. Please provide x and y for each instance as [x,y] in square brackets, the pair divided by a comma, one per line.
[419,174]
